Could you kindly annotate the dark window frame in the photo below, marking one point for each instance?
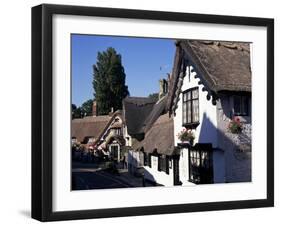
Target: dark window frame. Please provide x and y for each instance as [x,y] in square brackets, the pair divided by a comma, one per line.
[244,109]
[167,164]
[204,172]
[145,158]
[149,160]
[162,163]
[185,102]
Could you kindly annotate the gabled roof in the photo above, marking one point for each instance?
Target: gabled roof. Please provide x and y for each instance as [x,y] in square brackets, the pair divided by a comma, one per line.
[136,110]
[151,119]
[141,112]
[159,108]
[159,137]
[224,65]
[220,66]
[91,126]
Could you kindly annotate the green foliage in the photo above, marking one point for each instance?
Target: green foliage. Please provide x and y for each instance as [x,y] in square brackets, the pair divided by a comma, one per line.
[109,81]
[186,135]
[235,126]
[84,110]
[76,112]
[86,107]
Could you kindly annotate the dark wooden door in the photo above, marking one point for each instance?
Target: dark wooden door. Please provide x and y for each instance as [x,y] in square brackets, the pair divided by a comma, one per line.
[201,164]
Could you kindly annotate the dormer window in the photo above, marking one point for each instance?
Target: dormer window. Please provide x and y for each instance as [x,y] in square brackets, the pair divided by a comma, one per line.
[241,105]
[190,107]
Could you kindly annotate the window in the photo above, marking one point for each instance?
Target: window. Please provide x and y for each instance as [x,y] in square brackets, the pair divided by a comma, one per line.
[114,151]
[190,106]
[201,164]
[241,105]
[141,159]
[163,163]
[145,159]
[118,131]
[149,160]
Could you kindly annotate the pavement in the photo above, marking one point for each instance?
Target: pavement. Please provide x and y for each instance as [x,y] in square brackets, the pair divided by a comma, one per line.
[95,176]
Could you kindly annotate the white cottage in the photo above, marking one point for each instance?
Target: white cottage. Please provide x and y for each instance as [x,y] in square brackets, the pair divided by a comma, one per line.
[209,86]
[149,130]
[100,133]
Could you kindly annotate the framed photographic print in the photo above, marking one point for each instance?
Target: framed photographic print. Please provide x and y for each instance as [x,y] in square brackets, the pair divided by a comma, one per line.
[146,112]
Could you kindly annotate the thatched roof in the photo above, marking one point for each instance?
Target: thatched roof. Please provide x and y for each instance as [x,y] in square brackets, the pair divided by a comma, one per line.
[220,65]
[145,116]
[141,113]
[225,65]
[136,110]
[91,126]
[159,137]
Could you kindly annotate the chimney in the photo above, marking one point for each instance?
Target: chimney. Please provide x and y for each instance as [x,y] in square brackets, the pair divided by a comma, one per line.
[94,108]
[111,111]
[163,83]
[168,81]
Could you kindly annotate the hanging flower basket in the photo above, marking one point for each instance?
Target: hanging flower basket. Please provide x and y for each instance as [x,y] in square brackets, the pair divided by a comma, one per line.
[235,126]
[186,136]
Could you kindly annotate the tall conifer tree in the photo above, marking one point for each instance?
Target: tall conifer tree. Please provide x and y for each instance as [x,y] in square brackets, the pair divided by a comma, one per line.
[109,81]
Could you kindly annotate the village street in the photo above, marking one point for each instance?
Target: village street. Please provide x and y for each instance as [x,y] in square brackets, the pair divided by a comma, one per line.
[93,176]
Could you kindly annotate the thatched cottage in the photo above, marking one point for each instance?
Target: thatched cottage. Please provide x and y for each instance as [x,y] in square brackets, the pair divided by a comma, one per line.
[209,87]
[100,133]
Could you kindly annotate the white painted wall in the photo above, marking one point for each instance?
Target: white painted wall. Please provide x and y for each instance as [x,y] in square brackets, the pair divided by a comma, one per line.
[134,158]
[152,173]
[127,137]
[184,167]
[206,131]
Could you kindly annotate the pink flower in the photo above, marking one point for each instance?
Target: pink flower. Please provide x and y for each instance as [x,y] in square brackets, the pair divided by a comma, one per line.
[236,119]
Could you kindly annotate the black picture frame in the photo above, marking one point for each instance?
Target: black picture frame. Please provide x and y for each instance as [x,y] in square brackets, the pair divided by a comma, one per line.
[42,111]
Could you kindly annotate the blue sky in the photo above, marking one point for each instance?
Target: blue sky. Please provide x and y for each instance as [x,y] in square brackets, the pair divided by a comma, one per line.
[145,61]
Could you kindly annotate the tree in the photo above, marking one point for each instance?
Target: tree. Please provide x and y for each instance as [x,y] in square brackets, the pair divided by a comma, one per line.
[87,107]
[84,110]
[76,112]
[109,81]
[73,110]
[154,96]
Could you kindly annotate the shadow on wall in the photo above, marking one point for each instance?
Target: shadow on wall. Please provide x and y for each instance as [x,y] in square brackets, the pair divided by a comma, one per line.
[150,180]
[231,158]
[208,132]
[137,169]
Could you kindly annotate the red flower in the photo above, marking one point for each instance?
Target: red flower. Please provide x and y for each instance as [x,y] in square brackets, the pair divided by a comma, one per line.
[236,119]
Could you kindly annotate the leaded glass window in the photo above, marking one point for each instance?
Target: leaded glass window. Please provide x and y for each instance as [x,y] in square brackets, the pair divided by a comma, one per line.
[190,107]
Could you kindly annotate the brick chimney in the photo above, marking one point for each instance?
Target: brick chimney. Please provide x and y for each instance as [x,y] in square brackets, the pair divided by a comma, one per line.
[94,108]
